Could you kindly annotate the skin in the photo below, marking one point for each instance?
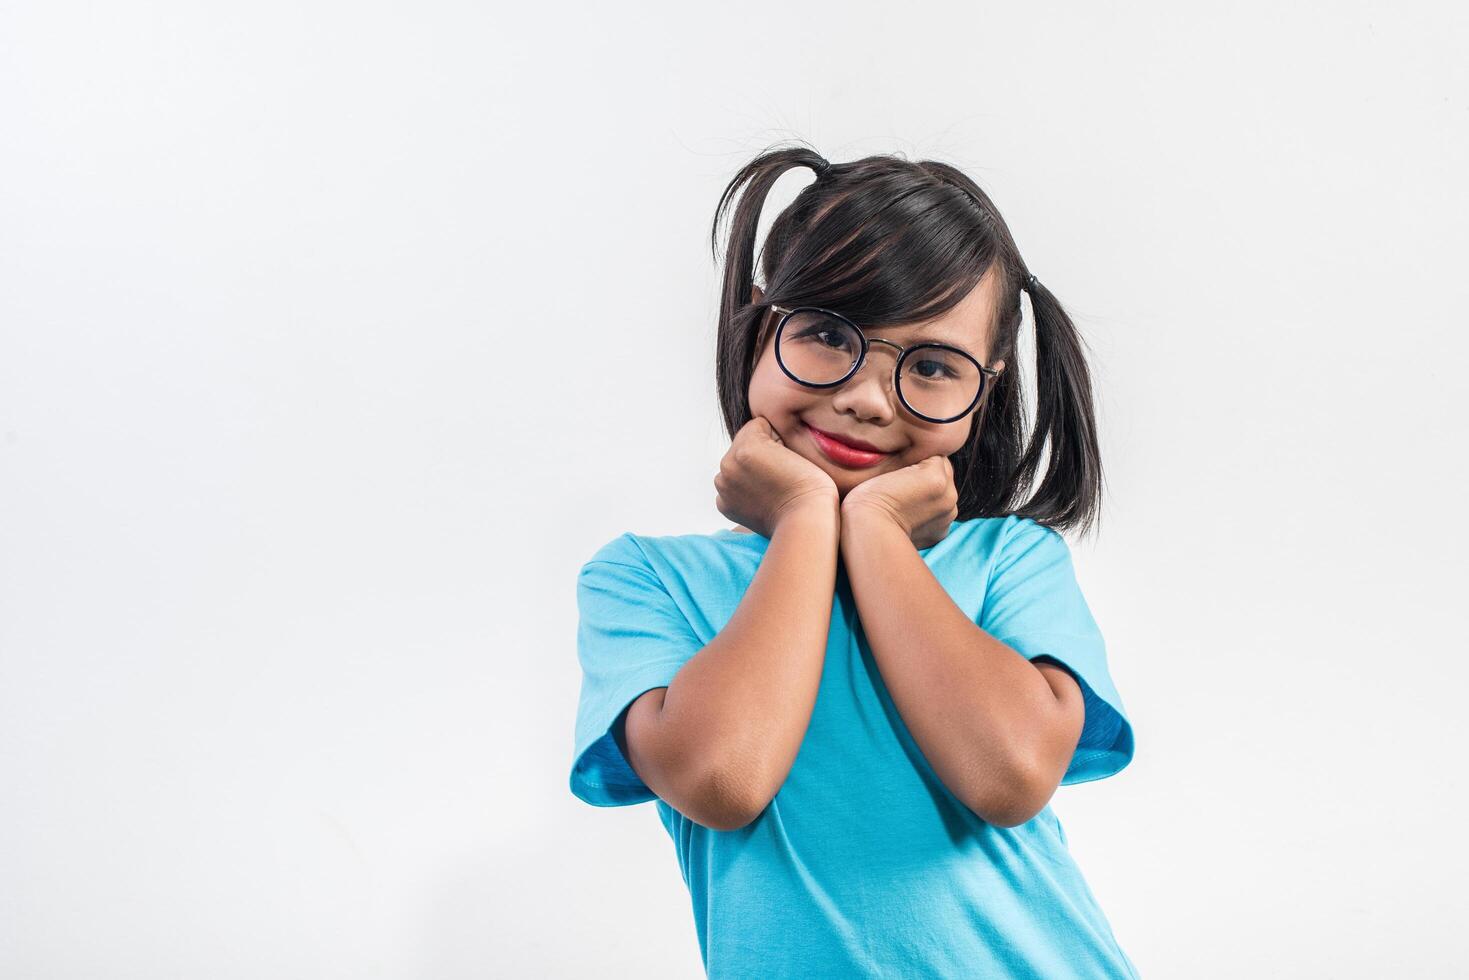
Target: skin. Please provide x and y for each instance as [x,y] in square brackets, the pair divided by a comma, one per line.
[998,729]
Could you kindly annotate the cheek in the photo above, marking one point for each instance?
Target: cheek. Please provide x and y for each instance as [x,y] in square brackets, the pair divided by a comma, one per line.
[772,395]
[936,441]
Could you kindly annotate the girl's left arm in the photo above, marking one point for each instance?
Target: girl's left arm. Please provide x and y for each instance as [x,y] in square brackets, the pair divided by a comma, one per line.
[998,730]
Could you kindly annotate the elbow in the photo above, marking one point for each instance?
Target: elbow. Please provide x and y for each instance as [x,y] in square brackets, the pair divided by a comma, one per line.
[731,820]
[1017,797]
[1009,814]
[726,800]
[704,783]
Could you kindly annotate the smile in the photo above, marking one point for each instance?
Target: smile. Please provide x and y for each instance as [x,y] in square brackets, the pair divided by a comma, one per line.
[842,454]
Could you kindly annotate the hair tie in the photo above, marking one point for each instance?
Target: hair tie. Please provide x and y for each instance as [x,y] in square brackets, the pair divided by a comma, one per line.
[821,168]
[1031,283]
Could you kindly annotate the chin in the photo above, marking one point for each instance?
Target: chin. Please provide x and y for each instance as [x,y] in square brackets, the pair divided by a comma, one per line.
[847,482]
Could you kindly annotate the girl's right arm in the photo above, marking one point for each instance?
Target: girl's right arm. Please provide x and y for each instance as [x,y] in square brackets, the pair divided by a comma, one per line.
[719,741]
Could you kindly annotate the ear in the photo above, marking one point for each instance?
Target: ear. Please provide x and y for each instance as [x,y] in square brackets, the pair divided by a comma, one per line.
[998,365]
[755,294]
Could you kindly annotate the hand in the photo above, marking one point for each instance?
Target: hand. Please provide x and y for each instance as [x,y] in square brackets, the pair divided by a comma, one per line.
[761,481]
[921,499]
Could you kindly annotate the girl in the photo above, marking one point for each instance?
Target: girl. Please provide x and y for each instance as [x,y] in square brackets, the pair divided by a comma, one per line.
[853,707]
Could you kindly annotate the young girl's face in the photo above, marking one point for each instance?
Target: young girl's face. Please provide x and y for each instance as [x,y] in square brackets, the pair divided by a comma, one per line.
[867,408]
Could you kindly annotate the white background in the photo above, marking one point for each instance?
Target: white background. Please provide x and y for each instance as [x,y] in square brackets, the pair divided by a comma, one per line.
[325,339]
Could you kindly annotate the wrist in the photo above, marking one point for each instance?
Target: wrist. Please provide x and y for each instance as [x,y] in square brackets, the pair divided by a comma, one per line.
[814,510]
[870,537]
[868,524]
[864,514]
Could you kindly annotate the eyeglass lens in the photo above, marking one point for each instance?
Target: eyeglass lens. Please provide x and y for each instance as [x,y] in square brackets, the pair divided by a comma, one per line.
[821,349]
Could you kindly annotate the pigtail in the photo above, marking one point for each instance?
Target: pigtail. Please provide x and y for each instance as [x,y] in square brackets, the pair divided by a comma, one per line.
[736,346]
[1070,493]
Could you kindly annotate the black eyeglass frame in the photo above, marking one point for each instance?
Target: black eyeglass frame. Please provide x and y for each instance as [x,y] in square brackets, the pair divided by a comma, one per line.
[985,373]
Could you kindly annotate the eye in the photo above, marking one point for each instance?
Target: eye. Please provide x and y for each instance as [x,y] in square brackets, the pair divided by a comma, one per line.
[933,370]
[828,337]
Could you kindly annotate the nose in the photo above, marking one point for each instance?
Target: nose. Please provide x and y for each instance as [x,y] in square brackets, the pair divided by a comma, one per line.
[869,393]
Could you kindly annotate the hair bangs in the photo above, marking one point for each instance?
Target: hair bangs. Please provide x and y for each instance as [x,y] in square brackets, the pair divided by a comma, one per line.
[884,252]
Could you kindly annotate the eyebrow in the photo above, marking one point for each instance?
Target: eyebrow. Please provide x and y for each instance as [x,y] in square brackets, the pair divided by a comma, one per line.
[924,338]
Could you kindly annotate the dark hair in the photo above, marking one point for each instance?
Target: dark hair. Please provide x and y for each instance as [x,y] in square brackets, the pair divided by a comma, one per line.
[884,240]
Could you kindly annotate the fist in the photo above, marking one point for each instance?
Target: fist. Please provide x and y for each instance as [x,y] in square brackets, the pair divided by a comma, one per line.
[921,499]
[762,482]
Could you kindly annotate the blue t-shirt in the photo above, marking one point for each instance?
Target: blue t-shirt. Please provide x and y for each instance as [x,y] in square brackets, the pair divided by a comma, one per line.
[864,864]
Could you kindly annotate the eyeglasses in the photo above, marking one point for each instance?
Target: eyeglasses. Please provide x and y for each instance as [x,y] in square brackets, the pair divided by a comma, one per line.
[822,349]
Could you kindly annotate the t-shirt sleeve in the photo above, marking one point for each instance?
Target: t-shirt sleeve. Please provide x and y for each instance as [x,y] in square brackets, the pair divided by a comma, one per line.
[631,637]
[1035,606]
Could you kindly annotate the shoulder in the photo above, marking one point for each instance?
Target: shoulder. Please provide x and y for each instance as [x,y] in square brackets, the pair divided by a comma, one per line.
[1030,549]
[1002,542]
[1023,533]
[621,577]
[1004,533]
[671,553]
[621,550]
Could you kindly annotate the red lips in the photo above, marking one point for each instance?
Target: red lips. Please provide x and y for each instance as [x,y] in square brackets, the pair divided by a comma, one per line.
[847,440]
